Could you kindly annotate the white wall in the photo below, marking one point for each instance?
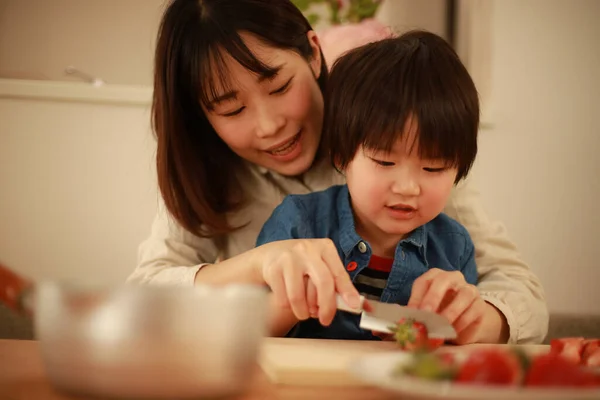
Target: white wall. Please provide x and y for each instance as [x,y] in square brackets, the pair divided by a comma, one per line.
[404,15]
[538,167]
[77,188]
[111,39]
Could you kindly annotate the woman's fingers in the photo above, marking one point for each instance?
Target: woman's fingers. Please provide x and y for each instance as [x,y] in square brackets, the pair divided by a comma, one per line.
[343,283]
[296,291]
[320,276]
[311,298]
[288,267]
[274,278]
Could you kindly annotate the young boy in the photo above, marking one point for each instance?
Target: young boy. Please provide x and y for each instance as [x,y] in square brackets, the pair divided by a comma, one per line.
[401,123]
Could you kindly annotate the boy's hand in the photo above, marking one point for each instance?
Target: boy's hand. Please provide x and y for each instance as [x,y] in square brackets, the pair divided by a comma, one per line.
[447,293]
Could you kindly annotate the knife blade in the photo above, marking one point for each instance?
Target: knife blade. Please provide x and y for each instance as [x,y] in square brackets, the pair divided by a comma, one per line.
[382,316]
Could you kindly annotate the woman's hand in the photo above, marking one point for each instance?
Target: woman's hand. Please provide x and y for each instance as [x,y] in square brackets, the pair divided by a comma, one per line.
[305,275]
[447,293]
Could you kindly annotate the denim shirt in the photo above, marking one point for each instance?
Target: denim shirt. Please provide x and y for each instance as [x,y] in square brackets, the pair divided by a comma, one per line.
[441,243]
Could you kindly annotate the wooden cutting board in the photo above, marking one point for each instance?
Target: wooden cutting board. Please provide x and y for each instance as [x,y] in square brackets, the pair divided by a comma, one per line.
[316,362]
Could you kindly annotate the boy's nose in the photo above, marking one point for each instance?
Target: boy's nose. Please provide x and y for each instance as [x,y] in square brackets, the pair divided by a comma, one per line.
[406,185]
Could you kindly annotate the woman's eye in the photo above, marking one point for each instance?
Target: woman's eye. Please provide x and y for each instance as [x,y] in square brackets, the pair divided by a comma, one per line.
[383,163]
[283,88]
[233,113]
[434,169]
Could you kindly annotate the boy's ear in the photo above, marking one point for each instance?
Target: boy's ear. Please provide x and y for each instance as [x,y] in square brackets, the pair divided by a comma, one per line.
[316,60]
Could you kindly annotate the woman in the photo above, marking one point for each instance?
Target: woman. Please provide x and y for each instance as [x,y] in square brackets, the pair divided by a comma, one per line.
[238,112]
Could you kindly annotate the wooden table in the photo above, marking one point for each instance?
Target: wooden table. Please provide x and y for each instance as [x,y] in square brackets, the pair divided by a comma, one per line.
[22,377]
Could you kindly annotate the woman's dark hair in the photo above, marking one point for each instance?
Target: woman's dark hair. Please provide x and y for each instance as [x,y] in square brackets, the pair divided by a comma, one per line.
[197,172]
[374,90]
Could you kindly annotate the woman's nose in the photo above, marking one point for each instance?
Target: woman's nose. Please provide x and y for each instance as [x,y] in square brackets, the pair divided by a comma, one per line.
[269,122]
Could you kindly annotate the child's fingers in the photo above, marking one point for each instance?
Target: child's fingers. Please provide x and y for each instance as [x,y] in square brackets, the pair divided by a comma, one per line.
[472,315]
[461,300]
[443,282]
[420,287]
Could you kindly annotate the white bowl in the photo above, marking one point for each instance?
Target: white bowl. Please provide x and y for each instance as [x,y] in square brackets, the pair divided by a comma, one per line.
[150,342]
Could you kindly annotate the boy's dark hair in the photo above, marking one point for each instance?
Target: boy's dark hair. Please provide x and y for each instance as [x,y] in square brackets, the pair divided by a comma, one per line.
[374,89]
[197,172]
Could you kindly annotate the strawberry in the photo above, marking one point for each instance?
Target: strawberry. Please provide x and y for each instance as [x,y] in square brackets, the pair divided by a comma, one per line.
[412,335]
[569,348]
[590,356]
[491,366]
[553,369]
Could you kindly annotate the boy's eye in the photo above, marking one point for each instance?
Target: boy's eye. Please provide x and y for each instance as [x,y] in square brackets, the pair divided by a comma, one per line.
[383,163]
[283,88]
[441,169]
[233,113]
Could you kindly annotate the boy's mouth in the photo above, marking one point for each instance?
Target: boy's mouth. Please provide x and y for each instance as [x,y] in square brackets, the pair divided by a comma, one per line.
[402,207]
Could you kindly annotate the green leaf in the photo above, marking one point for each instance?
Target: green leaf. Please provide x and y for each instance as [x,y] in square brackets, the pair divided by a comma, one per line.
[313,18]
[302,5]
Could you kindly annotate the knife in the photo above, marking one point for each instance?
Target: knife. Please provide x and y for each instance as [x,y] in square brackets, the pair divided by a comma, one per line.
[382,316]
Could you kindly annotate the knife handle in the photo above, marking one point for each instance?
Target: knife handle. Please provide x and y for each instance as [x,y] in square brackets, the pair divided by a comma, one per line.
[342,305]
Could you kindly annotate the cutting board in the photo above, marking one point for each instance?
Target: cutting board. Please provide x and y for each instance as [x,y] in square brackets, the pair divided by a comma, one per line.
[316,362]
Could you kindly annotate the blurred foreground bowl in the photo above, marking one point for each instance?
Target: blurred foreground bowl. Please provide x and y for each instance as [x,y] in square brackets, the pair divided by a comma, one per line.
[150,342]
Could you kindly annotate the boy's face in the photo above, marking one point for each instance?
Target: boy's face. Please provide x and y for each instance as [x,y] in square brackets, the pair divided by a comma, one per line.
[394,193]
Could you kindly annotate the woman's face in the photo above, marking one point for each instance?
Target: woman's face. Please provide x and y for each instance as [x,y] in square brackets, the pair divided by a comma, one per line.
[275,123]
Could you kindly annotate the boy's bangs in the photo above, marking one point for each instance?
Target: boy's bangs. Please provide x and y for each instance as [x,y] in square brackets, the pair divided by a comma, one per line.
[412,96]
[215,78]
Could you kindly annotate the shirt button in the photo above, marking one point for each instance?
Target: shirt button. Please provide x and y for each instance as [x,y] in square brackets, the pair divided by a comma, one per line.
[352,265]
[362,247]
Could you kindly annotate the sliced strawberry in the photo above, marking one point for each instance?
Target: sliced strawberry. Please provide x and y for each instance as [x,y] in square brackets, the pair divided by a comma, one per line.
[553,369]
[413,336]
[491,366]
[433,344]
[590,356]
[569,348]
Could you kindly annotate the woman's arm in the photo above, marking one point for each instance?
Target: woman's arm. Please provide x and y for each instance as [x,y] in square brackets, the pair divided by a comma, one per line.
[505,281]
[171,255]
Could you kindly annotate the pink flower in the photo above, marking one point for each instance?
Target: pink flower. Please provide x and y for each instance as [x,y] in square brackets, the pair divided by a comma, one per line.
[343,3]
[338,39]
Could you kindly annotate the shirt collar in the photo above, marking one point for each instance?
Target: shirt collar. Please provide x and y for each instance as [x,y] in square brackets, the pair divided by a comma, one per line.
[349,238]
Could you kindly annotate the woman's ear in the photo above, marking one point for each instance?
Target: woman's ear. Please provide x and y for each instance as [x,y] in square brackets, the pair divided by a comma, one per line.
[316,60]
